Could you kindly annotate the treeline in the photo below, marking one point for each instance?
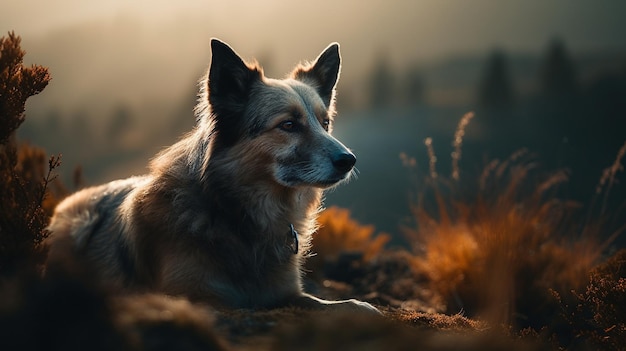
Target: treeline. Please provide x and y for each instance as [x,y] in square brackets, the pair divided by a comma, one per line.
[555,74]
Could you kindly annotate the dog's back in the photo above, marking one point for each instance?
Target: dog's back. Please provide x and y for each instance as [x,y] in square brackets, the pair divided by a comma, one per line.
[90,223]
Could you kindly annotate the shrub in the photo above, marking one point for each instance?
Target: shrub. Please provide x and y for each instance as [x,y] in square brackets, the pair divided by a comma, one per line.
[341,239]
[497,253]
[338,232]
[24,177]
[17,83]
[597,316]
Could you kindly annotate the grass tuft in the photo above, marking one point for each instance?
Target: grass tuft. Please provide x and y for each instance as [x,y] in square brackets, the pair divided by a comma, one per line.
[497,253]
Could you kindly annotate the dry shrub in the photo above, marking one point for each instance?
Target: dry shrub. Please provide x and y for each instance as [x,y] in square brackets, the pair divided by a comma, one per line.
[338,233]
[343,248]
[25,171]
[17,83]
[497,253]
[596,317]
[352,262]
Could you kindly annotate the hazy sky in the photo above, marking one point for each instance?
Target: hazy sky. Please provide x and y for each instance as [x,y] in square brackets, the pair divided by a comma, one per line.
[158,46]
[435,26]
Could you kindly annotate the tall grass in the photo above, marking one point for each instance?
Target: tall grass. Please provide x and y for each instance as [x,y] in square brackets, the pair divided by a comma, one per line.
[497,253]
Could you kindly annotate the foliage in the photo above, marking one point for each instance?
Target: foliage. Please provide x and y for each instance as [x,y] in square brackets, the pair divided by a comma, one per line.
[17,83]
[597,315]
[497,253]
[338,232]
[24,177]
[340,235]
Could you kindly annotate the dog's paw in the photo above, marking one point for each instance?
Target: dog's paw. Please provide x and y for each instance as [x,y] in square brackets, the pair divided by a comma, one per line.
[351,305]
[359,306]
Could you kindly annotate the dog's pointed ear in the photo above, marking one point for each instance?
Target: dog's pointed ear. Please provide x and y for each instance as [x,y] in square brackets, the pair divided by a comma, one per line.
[230,81]
[323,73]
[230,78]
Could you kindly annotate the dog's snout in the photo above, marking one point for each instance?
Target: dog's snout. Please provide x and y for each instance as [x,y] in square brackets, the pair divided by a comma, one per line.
[344,161]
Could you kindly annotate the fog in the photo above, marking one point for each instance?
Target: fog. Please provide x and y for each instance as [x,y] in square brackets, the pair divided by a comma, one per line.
[145,51]
[124,76]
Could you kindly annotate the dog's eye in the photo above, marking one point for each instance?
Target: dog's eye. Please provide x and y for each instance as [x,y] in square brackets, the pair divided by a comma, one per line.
[288,126]
[326,124]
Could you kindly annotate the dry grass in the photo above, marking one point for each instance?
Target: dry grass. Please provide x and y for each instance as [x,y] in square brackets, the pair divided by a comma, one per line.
[458,143]
[338,235]
[338,232]
[497,254]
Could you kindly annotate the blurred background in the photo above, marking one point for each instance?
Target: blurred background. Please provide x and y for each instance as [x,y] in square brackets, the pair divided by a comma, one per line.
[548,76]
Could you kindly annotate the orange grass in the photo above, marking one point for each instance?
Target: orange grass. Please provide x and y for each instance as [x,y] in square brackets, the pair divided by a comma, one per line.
[338,233]
[497,254]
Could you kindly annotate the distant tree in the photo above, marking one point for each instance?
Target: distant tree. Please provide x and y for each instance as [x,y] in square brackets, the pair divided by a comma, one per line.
[558,75]
[381,84]
[495,89]
[80,128]
[53,122]
[120,124]
[182,118]
[413,86]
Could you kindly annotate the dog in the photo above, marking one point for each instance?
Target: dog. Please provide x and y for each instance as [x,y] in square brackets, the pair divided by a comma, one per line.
[225,215]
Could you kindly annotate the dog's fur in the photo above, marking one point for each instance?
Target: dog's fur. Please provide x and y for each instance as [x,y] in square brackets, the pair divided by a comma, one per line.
[215,218]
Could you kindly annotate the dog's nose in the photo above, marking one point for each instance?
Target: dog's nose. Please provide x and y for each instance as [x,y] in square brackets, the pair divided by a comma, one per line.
[344,161]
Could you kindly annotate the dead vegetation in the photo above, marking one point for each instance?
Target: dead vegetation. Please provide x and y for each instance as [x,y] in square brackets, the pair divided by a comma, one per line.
[25,171]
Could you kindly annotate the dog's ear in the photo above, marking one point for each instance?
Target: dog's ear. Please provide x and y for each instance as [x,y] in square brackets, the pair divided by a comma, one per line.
[230,78]
[229,82]
[323,73]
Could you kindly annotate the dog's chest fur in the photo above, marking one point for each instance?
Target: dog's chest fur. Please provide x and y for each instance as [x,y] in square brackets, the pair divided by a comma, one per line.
[236,246]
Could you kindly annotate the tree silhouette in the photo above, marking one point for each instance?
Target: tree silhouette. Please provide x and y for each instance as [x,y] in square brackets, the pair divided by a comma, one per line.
[381,83]
[558,75]
[413,87]
[121,123]
[495,89]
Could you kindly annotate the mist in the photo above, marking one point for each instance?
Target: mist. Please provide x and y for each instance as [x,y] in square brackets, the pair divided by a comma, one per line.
[124,82]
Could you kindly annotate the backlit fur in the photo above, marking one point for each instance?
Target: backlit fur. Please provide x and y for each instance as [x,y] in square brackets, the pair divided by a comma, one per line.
[211,221]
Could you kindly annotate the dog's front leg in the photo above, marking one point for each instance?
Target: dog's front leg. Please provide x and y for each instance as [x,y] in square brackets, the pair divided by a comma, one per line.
[311,302]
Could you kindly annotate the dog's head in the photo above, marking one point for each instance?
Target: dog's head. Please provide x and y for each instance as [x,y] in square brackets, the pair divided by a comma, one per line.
[277,129]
